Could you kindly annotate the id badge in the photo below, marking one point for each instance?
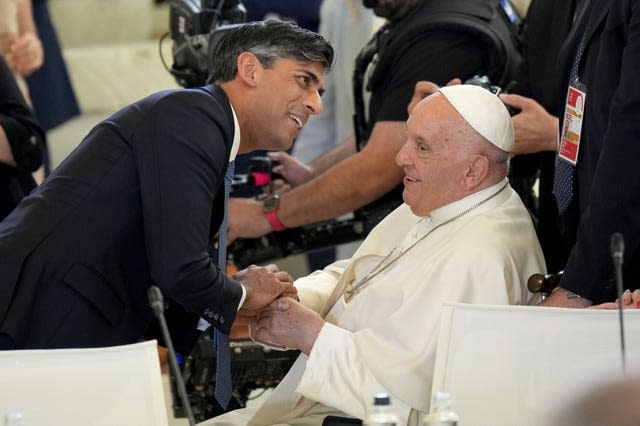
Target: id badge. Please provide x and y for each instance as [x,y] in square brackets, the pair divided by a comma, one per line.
[572,124]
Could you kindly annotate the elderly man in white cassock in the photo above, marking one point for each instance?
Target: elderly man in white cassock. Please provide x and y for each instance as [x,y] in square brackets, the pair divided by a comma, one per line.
[370,323]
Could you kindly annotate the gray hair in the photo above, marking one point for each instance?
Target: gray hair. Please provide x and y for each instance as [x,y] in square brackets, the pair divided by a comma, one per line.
[269,41]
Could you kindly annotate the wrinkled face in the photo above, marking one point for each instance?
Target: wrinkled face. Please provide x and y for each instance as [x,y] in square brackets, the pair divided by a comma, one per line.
[286,95]
[433,158]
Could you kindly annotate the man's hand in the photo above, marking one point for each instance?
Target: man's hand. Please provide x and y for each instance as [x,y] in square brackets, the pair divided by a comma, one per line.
[535,130]
[629,300]
[291,169]
[246,219]
[561,298]
[424,89]
[288,323]
[25,54]
[263,286]
[245,320]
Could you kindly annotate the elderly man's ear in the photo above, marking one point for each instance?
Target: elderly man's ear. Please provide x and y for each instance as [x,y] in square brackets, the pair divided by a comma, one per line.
[477,171]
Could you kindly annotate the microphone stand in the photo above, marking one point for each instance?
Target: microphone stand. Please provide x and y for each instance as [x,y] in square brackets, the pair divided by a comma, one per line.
[156,301]
[617,254]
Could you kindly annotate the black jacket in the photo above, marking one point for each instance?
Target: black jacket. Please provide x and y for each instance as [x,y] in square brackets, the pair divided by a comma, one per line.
[607,182]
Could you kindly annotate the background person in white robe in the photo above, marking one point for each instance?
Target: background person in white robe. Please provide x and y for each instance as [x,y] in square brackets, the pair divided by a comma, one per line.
[370,323]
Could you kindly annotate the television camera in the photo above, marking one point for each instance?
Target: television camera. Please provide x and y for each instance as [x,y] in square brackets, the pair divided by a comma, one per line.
[252,367]
[196,27]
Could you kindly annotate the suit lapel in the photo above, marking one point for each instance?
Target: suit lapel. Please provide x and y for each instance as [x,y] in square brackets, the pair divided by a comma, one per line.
[598,13]
[590,14]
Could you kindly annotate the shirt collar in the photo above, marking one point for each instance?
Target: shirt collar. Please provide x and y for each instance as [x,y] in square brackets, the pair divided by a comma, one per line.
[452,209]
[236,136]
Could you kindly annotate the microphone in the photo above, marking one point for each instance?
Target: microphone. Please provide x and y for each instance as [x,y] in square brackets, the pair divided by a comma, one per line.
[156,301]
[617,248]
[617,254]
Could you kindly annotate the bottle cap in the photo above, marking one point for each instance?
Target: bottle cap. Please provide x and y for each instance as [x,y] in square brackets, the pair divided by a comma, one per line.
[381,398]
[441,400]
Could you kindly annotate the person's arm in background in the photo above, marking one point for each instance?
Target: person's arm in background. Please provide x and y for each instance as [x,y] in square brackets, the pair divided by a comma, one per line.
[535,130]
[26,54]
[359,179]
[296,173]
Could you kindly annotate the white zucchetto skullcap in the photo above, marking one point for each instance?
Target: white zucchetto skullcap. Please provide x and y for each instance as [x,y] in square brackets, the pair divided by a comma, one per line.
[484,111]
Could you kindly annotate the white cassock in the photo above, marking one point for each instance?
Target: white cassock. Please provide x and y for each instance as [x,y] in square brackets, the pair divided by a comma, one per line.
[381,333]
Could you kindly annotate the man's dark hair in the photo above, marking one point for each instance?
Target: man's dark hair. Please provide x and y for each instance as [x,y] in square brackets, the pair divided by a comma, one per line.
[269,41]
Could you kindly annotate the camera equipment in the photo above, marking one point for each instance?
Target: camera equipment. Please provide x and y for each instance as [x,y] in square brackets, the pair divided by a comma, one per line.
[257,183]
[276,245]
[484,82]
[252,367]
[196,27]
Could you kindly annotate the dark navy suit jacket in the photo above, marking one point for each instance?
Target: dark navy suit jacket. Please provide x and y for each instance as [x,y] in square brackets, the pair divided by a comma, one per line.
[607,180]
[135,204]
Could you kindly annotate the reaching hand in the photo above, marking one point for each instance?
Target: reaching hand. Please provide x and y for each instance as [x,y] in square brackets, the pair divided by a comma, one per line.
[246,219]
[287,323]
[535,130]
[292,170]
[629,300]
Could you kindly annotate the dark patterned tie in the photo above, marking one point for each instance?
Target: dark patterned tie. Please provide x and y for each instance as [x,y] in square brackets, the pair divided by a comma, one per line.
[223,385]
[563,178]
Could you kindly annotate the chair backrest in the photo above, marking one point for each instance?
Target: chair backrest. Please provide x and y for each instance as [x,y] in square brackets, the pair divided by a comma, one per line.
[518,365]
[118,385]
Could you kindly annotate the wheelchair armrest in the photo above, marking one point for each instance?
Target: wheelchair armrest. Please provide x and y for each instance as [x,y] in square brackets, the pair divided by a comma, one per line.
[538,283]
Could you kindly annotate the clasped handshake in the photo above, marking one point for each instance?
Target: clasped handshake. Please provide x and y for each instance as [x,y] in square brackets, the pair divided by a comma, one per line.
[273,311]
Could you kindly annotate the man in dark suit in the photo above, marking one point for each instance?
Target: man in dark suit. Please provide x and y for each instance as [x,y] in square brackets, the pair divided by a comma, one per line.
[606,183]
[536,95]
[141,198]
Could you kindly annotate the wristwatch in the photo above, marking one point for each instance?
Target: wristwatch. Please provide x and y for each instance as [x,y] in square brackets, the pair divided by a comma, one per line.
[269,207]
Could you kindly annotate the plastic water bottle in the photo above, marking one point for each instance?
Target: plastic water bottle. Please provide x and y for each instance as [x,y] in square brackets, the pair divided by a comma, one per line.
[441,414]
[381,414]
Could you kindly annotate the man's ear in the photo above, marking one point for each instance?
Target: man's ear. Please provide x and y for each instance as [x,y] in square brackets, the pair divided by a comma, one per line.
[249,68]
[477,171]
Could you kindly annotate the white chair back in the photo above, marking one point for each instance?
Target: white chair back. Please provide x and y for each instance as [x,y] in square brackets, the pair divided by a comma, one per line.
[517,365]
[110,386]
